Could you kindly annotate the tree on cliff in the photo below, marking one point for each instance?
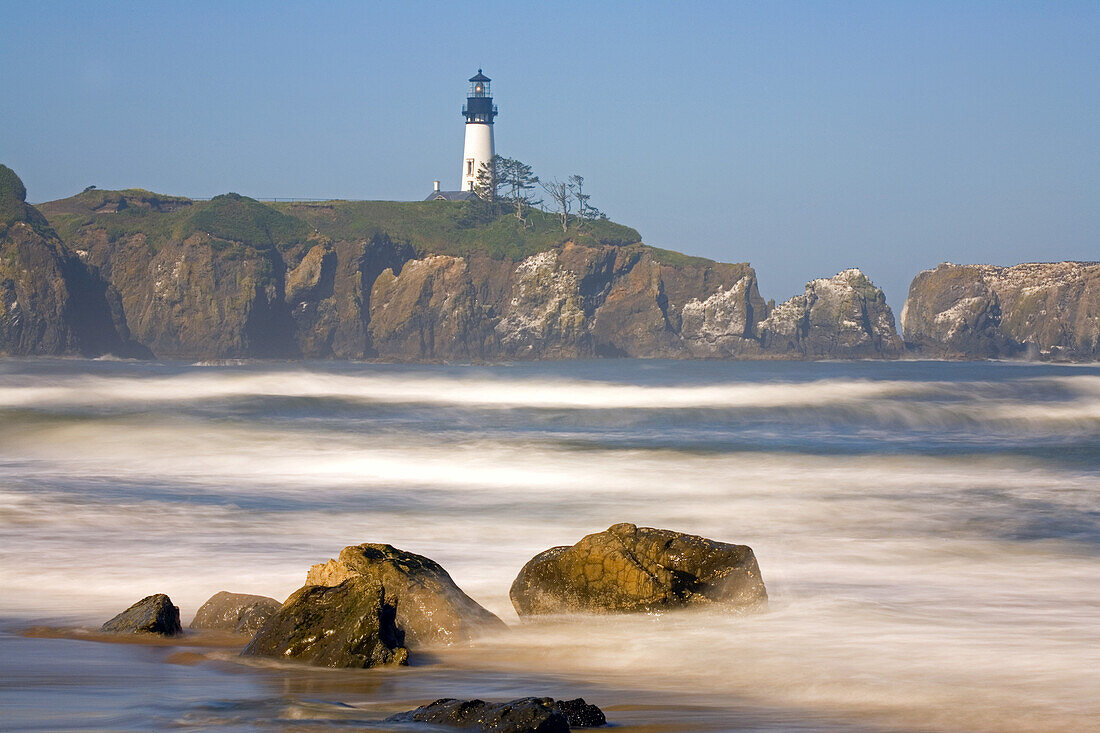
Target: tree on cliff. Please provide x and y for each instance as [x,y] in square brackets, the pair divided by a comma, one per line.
[503,180]
[485,206]
[567,193]
[585,211]
[519,181]
[487,183]
[561,192]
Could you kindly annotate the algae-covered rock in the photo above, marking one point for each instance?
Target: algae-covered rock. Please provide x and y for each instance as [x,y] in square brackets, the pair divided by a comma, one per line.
[347,625]
[237,612]
[430,608]
[844,316]
[153,614]
[1045,310]
[629,568]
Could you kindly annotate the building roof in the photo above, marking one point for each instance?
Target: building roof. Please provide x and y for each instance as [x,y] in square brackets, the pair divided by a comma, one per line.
[450,196]
[480,77]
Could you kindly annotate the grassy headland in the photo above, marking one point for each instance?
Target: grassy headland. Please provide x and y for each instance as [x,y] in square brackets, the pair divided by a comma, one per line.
[430,227]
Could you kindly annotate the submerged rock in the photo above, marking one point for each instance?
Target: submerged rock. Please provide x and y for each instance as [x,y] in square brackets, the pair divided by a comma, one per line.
[347,625]
[153,614]
[526,715]
[629,568]
[430,608]
[237,612]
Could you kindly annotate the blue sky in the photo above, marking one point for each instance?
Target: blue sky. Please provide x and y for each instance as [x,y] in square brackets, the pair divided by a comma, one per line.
[804,138]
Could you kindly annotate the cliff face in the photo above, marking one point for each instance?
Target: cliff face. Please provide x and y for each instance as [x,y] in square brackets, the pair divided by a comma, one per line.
[1045,310]
[51,302]
[233,277]
[575,301]
[209,284]
[329,295]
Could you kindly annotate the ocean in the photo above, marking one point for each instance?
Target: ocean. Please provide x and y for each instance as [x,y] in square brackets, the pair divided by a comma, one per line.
[929,534]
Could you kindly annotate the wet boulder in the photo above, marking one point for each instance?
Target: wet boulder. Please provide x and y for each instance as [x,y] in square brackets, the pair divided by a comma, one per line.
[237,612]
[431,609]
[153,614]
[581,714]
[346,625]
[526,715]
[628,568]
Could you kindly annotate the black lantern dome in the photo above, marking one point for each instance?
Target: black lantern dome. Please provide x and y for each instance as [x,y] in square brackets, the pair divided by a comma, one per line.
[479,101]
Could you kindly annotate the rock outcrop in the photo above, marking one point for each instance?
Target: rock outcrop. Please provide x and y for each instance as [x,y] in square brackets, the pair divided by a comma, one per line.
[430,610]
[526,715]
[628,568]
[239,613]
[51,303]
[1037,310]
[844,315]
[347,625]
[574,301]
[212,285]
[153,614]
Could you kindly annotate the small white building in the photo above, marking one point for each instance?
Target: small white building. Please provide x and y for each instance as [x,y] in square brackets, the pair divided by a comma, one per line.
[479,148]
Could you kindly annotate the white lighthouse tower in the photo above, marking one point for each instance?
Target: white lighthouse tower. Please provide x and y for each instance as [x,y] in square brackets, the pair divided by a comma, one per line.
[479,113]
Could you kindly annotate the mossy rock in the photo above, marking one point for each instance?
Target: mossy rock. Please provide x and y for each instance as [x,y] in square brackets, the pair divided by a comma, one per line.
[628,568]
[348,625]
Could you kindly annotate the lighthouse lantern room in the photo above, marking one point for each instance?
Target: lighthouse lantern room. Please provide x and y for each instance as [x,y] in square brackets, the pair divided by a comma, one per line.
[479,113]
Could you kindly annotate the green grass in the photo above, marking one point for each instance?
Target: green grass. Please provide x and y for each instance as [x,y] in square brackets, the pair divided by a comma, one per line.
[236,222]
[677,259]
[236,218]
[443,227]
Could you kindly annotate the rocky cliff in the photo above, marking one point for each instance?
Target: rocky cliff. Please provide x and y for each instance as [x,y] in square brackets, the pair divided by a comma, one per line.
[1037,310]
[233,277]
[51,303]
[845,314]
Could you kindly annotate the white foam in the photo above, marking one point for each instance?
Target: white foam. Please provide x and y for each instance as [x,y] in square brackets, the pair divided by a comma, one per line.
[898,585]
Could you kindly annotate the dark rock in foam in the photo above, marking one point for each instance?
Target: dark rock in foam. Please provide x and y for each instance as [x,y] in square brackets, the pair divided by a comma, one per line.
[526,715]
[629,568]
[153,614]
[237,612]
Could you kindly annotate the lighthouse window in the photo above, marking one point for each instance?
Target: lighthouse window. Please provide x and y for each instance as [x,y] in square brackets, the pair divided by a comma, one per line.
[469,166]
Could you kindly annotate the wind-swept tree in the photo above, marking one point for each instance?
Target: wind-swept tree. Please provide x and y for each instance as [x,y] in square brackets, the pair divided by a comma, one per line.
[561,193]
[585,211]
